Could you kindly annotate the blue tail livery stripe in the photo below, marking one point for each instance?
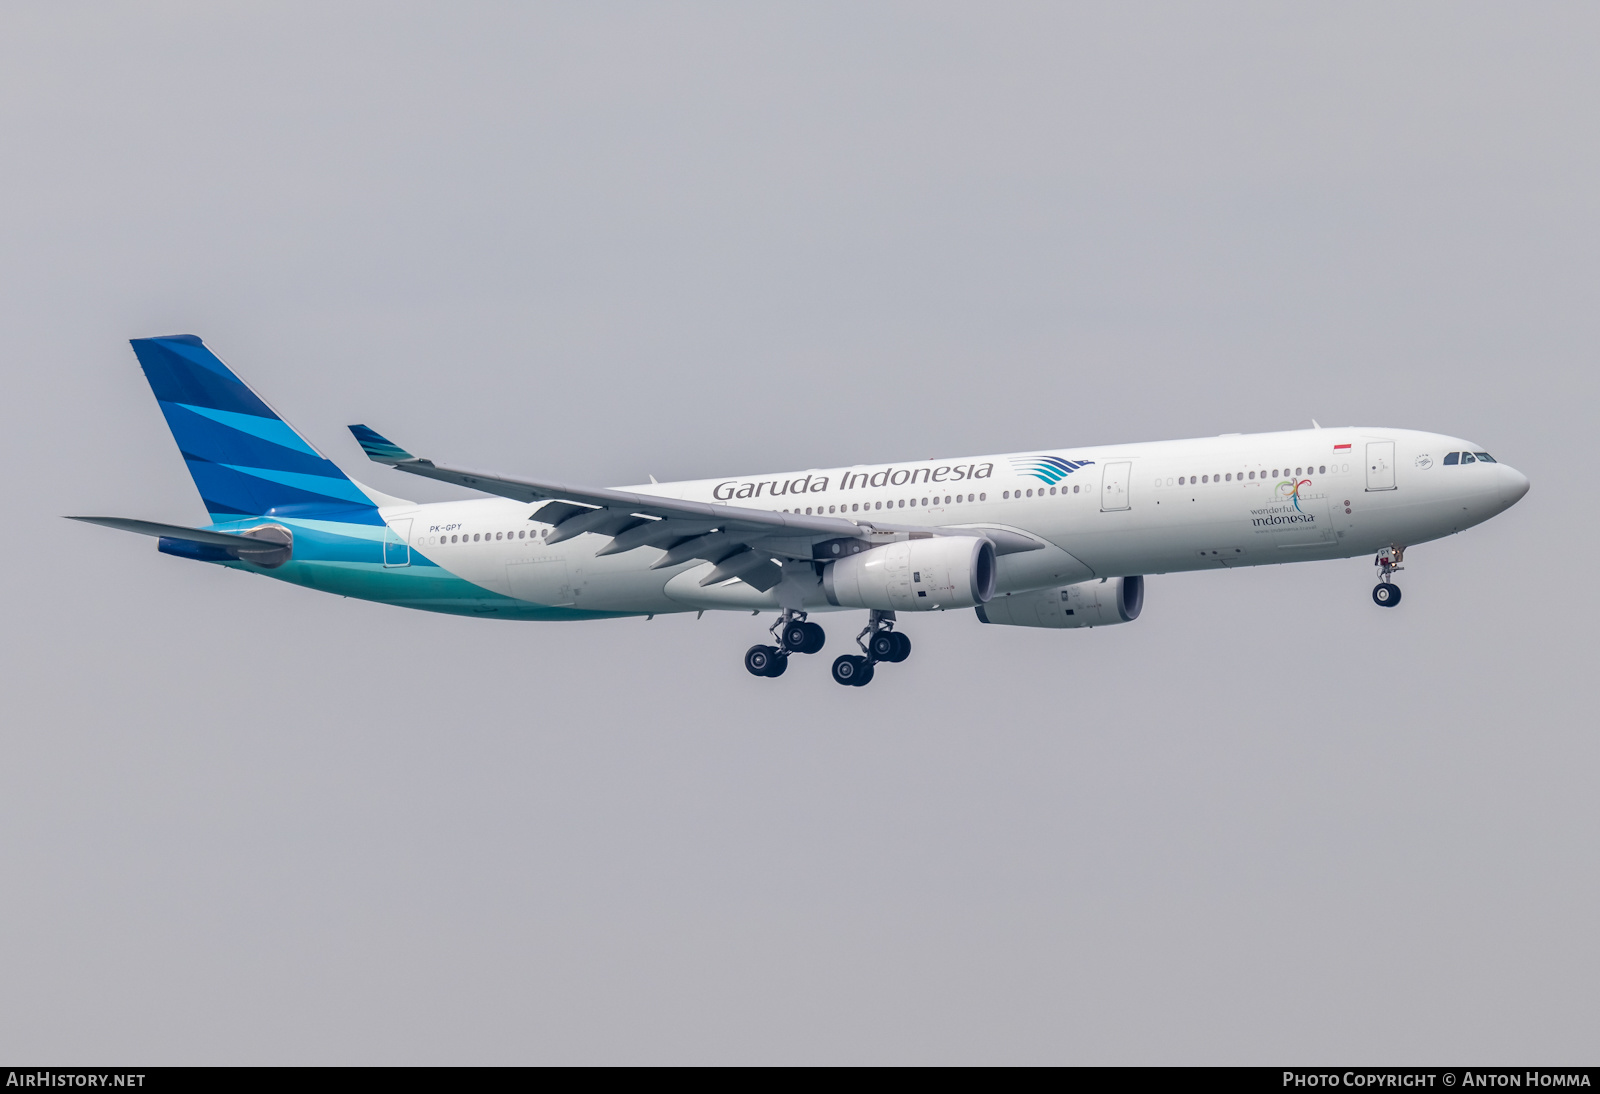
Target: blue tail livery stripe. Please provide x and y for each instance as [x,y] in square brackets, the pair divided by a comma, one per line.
[245,460]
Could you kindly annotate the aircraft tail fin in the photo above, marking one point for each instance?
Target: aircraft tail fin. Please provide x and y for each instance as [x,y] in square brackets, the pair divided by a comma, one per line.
[245,460]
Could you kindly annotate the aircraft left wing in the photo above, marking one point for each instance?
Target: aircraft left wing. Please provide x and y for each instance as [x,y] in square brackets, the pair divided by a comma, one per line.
[740,541]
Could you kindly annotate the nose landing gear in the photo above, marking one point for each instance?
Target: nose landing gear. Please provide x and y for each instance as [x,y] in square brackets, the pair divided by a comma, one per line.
[1386,594]
[793,635]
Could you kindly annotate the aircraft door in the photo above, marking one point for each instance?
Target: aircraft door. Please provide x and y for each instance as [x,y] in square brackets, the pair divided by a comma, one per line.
[1380,465]
[1114,486]
[397,543]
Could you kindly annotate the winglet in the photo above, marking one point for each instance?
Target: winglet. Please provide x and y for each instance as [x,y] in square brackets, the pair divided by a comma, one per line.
[379,448]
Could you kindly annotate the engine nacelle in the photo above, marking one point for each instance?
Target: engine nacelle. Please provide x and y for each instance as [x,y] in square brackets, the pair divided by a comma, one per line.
[1087,604]
[919,575]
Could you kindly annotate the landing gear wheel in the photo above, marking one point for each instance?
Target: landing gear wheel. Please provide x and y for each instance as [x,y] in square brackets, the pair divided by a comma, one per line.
[1385,595]
[902,647]
[851,670]
[882,646]
[801,637]
[765,661]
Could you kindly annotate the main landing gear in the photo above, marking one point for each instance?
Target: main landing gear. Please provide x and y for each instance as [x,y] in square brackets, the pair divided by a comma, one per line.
[879,642]
[1386,594]
[793,635]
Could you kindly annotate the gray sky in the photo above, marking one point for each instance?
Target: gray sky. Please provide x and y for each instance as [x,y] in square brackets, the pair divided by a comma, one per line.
[244,822]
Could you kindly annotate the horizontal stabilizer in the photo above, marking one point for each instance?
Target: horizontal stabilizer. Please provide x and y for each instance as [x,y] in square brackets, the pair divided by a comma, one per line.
[268,545]
[171,531]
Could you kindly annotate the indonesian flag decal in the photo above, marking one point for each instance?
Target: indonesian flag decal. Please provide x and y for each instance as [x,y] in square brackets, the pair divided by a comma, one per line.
[1337,447]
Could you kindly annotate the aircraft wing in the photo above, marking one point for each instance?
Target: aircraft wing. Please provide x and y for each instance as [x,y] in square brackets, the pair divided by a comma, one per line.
[741,541]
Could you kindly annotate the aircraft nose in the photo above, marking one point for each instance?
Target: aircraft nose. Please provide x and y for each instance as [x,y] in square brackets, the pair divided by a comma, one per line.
[1514,484]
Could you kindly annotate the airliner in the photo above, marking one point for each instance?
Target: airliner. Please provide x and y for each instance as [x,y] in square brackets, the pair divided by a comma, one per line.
[1058,539]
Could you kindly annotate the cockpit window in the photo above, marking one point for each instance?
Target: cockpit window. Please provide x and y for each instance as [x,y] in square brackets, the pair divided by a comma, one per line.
[1466,457]
[1484,457]
[1452,458]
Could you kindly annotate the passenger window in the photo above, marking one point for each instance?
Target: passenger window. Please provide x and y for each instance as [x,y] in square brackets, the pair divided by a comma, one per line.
[1484,457]
[1466,457]
[1452,459]
[983,497]
[1205,478]
[1322,469]
[1229,478]
[1075,489]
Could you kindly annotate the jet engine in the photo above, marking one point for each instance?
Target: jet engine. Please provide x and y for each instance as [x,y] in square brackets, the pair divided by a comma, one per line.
[919,575]
[1098,603]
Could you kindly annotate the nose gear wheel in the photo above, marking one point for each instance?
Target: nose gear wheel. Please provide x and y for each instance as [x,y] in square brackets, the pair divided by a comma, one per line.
[1386,594]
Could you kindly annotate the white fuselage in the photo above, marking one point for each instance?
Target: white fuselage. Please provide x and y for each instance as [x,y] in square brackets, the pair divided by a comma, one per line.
[1237,500]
